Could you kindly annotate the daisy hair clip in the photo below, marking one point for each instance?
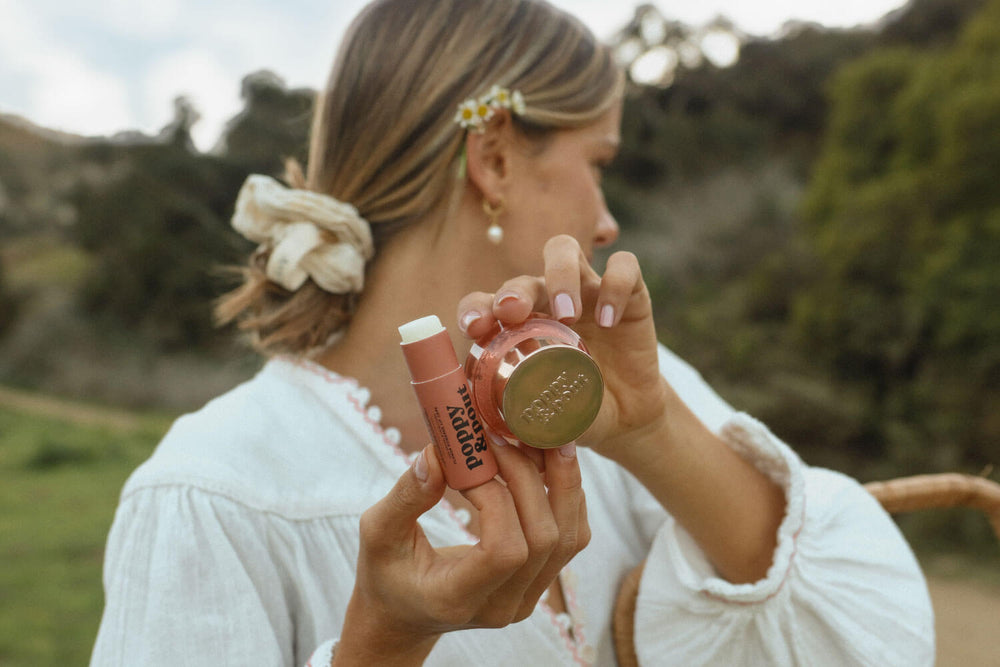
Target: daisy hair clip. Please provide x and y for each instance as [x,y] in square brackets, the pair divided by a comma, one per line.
[474,113]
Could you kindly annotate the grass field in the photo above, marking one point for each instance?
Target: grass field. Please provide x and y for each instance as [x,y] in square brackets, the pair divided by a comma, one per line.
[59,483]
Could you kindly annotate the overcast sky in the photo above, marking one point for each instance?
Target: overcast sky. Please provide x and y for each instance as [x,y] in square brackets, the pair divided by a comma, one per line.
[102,66]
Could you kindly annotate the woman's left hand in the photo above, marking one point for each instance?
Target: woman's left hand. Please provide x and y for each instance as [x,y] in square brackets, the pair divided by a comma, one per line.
[730,508]
[613,315]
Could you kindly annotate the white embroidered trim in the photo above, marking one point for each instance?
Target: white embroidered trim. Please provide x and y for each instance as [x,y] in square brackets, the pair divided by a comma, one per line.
[311,235]
[323,655]
[755,443]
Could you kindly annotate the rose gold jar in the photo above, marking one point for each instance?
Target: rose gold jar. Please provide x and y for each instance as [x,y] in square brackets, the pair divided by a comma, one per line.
[535,382]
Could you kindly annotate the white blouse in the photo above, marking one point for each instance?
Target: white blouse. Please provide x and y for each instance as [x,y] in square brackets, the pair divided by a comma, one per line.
[236,543]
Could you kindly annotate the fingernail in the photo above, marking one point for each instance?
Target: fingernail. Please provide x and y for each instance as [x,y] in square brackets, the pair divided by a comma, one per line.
[500,298]
[420,466]
[496,439]
[564,307]
[467,320]
[607,317]
[568,450]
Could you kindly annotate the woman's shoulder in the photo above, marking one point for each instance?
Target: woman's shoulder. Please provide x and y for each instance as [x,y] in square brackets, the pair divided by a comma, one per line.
[293,439]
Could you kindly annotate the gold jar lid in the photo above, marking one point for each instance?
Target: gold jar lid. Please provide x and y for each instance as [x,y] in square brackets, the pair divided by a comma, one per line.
[552,396]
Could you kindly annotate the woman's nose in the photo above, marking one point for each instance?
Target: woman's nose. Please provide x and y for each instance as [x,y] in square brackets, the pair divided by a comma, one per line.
[606,232]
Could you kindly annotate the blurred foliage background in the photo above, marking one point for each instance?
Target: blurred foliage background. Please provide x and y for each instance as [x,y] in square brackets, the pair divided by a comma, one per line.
[818,221]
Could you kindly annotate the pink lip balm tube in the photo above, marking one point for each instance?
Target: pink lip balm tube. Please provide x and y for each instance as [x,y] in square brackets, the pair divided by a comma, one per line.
[444,396]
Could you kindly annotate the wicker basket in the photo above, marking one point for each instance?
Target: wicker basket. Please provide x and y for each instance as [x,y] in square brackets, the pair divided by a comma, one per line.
[905,494]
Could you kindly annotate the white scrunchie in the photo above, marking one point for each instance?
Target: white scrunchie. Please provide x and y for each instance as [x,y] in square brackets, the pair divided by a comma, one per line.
[290,221]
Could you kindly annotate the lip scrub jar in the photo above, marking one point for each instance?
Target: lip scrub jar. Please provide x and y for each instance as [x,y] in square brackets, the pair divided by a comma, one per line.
[535,382]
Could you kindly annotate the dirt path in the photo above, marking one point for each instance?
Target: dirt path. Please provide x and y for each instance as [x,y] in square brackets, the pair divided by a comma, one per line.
[967,622]
[71,411]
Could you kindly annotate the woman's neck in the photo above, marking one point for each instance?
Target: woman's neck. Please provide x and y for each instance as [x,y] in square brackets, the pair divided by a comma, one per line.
[413,277]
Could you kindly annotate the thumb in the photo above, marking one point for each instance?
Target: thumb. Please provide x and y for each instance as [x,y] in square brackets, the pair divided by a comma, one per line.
[417,490]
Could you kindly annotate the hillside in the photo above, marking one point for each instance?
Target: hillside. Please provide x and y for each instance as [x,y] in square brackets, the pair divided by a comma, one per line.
[108,244]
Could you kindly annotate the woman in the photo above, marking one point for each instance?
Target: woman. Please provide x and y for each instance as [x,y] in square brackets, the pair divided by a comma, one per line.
[281,521]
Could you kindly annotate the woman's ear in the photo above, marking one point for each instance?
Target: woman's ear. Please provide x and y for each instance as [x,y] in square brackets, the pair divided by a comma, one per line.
[488,155]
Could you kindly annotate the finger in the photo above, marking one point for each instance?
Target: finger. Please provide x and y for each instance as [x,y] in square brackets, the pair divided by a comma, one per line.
[536,455]
[584,534]
[541,534]
[526,484]
[566,499]
[396,514]
[501,549]
[563,261]
[518,297]
[622,277]
[475,314]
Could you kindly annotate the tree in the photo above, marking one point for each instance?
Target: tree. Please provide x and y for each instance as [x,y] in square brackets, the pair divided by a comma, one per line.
[273,125]
[155,230]
[905,218]
[158,226]
[178,131]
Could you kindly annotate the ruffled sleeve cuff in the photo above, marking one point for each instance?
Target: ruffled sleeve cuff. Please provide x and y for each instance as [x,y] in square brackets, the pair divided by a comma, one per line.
[755,443]
[843,586]
[323,655]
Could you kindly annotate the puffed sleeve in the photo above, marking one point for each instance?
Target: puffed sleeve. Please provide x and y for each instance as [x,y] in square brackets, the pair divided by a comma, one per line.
[188,582]
[843,589]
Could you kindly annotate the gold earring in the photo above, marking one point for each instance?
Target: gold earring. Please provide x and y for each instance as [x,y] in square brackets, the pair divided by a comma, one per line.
[493,211]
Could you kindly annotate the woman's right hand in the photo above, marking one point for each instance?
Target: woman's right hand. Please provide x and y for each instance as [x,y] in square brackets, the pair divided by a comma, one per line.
[407,593]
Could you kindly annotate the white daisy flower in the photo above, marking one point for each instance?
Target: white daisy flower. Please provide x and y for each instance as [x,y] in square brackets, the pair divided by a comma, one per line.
[474,114]
[484,111]
[500,97]
[517,102]
[468,114]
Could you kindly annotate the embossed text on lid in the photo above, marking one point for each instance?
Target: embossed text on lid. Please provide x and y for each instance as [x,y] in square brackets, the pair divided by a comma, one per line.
[553,396]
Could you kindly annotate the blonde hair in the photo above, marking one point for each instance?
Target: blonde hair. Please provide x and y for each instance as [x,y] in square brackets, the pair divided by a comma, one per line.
[384,139]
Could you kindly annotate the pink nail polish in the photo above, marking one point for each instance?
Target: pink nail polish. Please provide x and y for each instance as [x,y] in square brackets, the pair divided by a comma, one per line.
[467,320]
[535,382]
[564,308]
[503,297]
[607,316]
[496,439]
[420,466]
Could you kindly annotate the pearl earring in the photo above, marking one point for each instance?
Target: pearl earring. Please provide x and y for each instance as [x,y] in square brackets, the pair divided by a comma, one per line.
[493,211]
